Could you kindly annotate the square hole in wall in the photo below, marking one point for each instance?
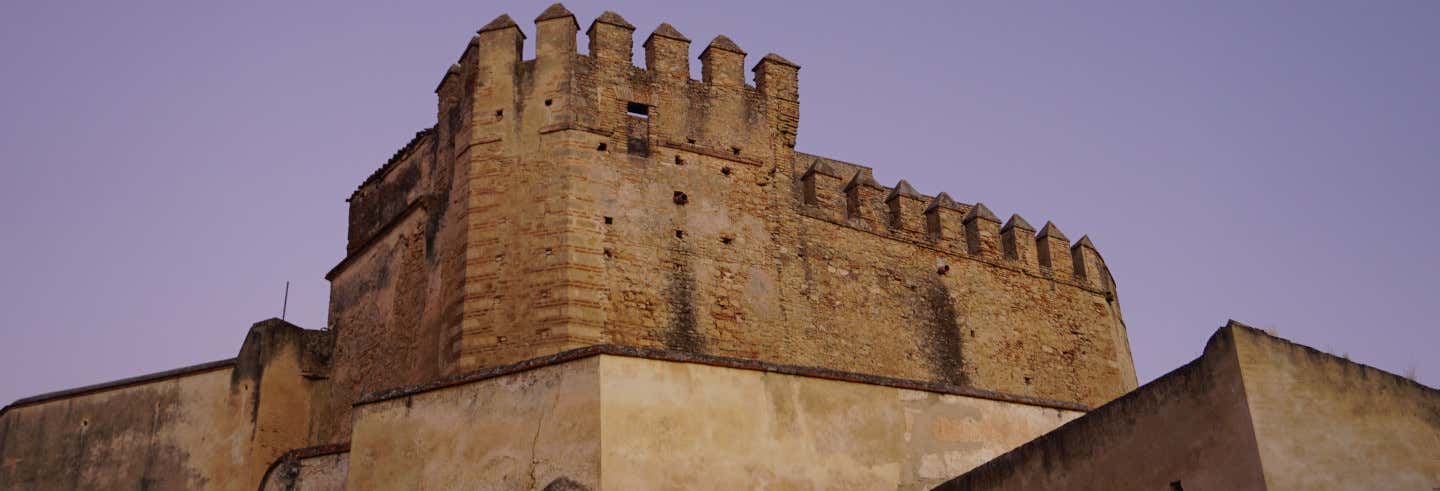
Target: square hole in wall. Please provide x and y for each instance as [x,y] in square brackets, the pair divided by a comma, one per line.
[601,147]
[637,110]
[609,220]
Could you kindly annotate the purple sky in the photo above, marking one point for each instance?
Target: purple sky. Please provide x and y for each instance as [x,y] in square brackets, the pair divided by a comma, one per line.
[168,166]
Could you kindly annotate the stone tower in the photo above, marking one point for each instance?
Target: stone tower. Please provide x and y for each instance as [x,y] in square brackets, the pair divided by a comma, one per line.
[577,200]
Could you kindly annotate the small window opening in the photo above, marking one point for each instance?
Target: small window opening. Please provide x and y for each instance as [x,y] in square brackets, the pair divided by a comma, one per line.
[499,112]
[1175,486]
[679,161]
[727,240]
[679,234]
[725,170]
[680,198]
[609,253]
[735,150]
[601,147]
[609,220]
[548,102]
[637,110]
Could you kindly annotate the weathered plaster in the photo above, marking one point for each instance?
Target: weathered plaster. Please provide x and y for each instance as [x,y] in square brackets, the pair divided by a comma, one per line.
[520,431]
[1325,423]
[684,425]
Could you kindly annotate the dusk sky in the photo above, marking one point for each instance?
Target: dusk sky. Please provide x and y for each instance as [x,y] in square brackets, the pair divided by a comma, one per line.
[170,165]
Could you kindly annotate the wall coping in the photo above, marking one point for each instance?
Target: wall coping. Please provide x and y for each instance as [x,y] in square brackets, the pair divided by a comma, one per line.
[121,383]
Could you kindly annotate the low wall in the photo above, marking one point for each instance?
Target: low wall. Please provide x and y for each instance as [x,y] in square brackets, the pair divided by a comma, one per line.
[212,426]
[1253,412]
[623,418]
[177,432]
[707,427]
[1189,427]
[1324,422]
[521,430]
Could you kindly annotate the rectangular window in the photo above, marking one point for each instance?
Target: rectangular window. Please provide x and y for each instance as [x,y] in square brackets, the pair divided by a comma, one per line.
[637,110]
[638,142]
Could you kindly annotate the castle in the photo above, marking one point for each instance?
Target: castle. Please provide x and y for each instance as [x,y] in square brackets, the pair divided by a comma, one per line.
[591,275]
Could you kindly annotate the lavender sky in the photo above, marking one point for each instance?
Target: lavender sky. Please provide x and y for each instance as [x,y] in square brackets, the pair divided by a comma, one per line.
[169,165]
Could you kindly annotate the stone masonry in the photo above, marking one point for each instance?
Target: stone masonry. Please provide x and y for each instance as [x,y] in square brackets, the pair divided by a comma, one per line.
[576,199]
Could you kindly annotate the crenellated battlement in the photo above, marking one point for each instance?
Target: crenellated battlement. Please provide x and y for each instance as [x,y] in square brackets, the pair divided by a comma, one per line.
[939,222]
[657,106]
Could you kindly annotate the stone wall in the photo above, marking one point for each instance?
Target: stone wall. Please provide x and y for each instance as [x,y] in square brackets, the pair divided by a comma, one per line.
[609,204]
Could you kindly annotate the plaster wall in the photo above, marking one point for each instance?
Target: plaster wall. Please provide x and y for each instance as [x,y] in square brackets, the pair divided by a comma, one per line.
[1190,428]
[182,433]
[525,430]
[1323,422]
[214,427]
[624,422]
[670,425]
